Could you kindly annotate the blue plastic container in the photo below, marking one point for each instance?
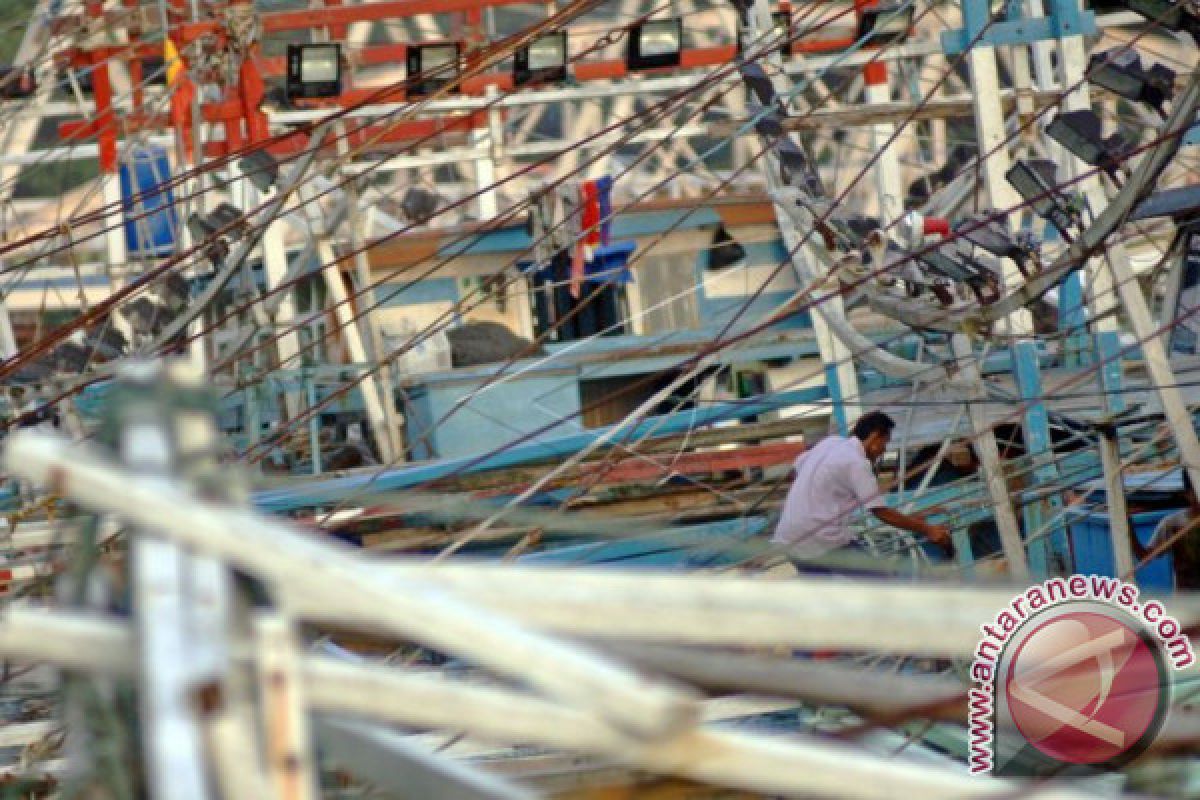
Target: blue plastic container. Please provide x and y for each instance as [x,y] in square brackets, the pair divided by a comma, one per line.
[151,220]
[1091,547]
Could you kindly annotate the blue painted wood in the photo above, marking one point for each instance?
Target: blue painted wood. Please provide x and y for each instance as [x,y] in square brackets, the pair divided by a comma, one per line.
[328,491]
[516,239]
[1108,353]
[431,290]
[690,546]
[454,419]
[1063,18]
[1039,447]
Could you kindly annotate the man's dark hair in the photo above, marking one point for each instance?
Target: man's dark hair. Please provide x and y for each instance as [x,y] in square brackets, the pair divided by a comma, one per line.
[873,422]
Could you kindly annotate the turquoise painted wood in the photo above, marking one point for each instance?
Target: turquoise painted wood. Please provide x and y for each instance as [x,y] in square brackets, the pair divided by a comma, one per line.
[361,487]
[451,417]
[686,547]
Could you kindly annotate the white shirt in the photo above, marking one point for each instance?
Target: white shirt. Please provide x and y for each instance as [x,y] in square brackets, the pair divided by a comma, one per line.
[832,480]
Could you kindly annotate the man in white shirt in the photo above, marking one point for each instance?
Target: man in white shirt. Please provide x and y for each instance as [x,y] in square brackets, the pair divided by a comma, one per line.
[833,480]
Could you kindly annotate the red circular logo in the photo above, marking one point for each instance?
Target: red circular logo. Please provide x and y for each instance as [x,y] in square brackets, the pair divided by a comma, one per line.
[1084,688]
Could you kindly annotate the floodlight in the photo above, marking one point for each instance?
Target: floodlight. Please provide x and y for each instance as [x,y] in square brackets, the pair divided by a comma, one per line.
[314,70]
[964,270]
[145,315]
[432,66]
[654,44]
[154,70]
[16,83]
[544,60]
[260,168]
[781,22]
[947,267]
[725,251]
[994,237]
[202,230]
[1172,16]
[885,23]
[419,204]
[1179,204]
[1035,181]
[1122,73]
[224,216]
[1079,132]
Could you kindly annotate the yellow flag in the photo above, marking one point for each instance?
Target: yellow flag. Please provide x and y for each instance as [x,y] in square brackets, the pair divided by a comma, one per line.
[173,62]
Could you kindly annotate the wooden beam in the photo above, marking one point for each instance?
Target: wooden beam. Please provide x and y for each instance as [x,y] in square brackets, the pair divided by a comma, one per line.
[340,588]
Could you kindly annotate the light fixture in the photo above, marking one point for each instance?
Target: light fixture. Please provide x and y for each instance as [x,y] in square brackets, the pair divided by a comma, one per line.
[725,251]
[1170,15]
[781,28]
[994,237]
[225,216]
[419,204]
[145,316]
[1080,132]
[1035,181]
[154,70]
[17,83]
[314,70]
[544,60]
[964,270]
[202,230]
[260,168]
[1179,204]
[885,23]
[1122,73]
[654,44]
[432,66]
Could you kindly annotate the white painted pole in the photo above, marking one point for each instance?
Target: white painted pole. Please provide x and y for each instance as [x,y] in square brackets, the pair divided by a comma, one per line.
[295,561]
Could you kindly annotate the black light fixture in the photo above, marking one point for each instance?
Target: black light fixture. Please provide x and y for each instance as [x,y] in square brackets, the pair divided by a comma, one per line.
[1179,204]
[260,168]
[225,216]
[419,204]
[654,44]
[1035,181]
[17,83]
[544,60]
[432,66]
[725,251]
[1122,73]
[885,23]
[203,230]
[1171,15]
[314,70]
[994,237]
[781,29]
[1080,132]
[965,270]
[154,70]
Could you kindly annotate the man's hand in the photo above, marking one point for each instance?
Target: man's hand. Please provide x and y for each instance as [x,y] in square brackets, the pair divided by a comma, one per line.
[938,534]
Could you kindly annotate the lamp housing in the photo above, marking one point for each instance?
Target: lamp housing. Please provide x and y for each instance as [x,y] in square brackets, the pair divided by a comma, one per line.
[1122,73]
[544,60]
[885,23]
[1080,132]
[314,70]
[432,66]
[654,44]
[1035,181]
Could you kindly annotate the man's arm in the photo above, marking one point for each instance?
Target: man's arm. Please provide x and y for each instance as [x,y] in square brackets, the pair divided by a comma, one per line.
[1140,551]
[938,534]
